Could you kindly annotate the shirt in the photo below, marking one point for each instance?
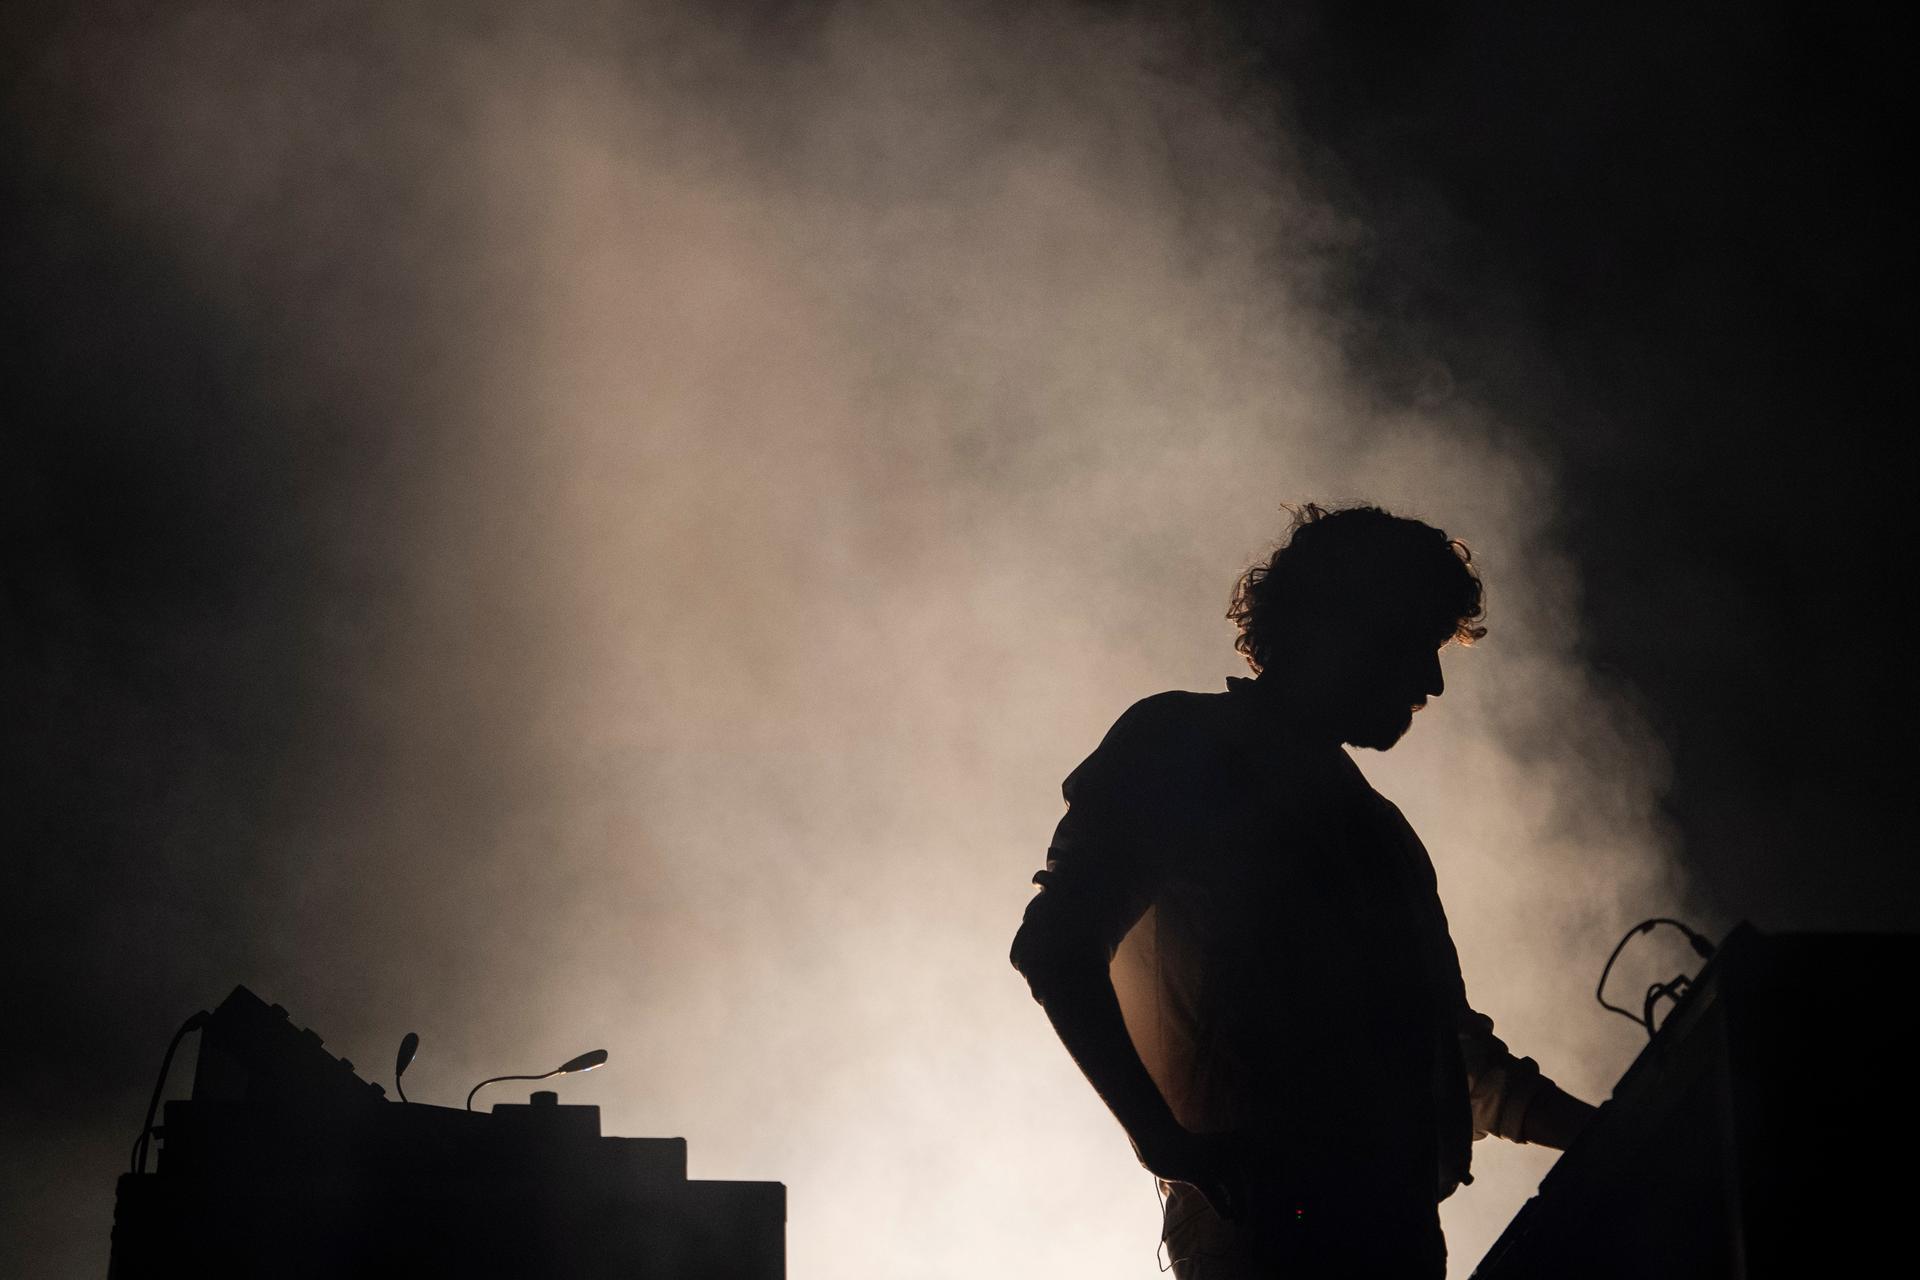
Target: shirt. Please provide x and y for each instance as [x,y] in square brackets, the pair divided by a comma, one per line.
[1274,932]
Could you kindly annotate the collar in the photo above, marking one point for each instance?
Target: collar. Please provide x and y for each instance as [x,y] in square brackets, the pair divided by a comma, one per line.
[1266,714]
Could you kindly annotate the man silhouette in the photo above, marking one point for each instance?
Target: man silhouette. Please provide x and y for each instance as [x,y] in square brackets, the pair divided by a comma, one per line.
[1241,944]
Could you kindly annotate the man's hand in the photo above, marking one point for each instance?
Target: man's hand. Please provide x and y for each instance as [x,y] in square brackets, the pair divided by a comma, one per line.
[1214,1164]
[1555,1118]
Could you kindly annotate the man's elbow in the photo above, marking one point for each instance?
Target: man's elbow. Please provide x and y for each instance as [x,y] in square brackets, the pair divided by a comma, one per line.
[1055,960]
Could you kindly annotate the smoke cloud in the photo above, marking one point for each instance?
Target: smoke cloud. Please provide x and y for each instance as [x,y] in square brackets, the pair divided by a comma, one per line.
[727,470]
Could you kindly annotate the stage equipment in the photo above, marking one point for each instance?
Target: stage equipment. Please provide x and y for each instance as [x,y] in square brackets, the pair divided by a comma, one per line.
[1749,1137]
[285,1163]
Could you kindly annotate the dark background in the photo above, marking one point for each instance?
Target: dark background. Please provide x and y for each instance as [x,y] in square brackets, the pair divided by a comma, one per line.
[1663,239]
[1659,242]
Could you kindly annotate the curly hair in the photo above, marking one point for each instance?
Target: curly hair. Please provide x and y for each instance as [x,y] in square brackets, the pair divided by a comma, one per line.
[1334,557]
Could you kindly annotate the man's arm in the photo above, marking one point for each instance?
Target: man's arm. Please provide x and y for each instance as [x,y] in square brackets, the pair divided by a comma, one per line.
[1555,1117]
[1073,986]
[1509,1096]
[1125,806]
[1069,976]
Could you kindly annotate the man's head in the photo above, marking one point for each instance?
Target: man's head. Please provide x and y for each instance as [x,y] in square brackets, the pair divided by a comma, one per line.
[1347,619]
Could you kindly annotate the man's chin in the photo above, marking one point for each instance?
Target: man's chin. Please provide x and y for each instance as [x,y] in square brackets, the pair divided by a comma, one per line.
[1382,734]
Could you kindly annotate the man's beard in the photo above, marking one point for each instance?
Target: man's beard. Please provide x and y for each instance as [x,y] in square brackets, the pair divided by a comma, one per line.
[1380,730]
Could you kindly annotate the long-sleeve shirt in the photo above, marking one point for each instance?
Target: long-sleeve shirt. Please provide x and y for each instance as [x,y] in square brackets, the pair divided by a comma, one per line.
[1273,928]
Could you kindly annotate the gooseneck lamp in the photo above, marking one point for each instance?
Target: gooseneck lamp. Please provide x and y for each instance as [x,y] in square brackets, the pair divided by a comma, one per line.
[585,1062]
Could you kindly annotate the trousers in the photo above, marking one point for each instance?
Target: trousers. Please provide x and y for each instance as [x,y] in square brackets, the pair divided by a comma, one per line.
[1318,1233]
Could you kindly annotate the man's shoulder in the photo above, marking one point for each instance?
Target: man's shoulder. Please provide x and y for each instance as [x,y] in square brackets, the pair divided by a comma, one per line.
[1159,755]
[1175,714]
[1166,732]
[1232,738]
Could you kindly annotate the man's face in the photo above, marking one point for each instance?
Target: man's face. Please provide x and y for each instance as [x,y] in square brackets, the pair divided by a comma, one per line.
[1370,674]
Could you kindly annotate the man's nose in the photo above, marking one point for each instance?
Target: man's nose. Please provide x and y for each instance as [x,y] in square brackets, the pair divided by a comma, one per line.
[1435,682]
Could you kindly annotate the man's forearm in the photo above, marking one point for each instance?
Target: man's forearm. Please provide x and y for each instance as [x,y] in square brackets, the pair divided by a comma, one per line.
[1080,1002]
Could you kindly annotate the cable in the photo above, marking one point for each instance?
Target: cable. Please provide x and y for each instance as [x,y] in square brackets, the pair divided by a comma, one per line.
[1671,990]
[1600,992]
[1654,992]
[1701,946]
[141,1143]
[1165,1264]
